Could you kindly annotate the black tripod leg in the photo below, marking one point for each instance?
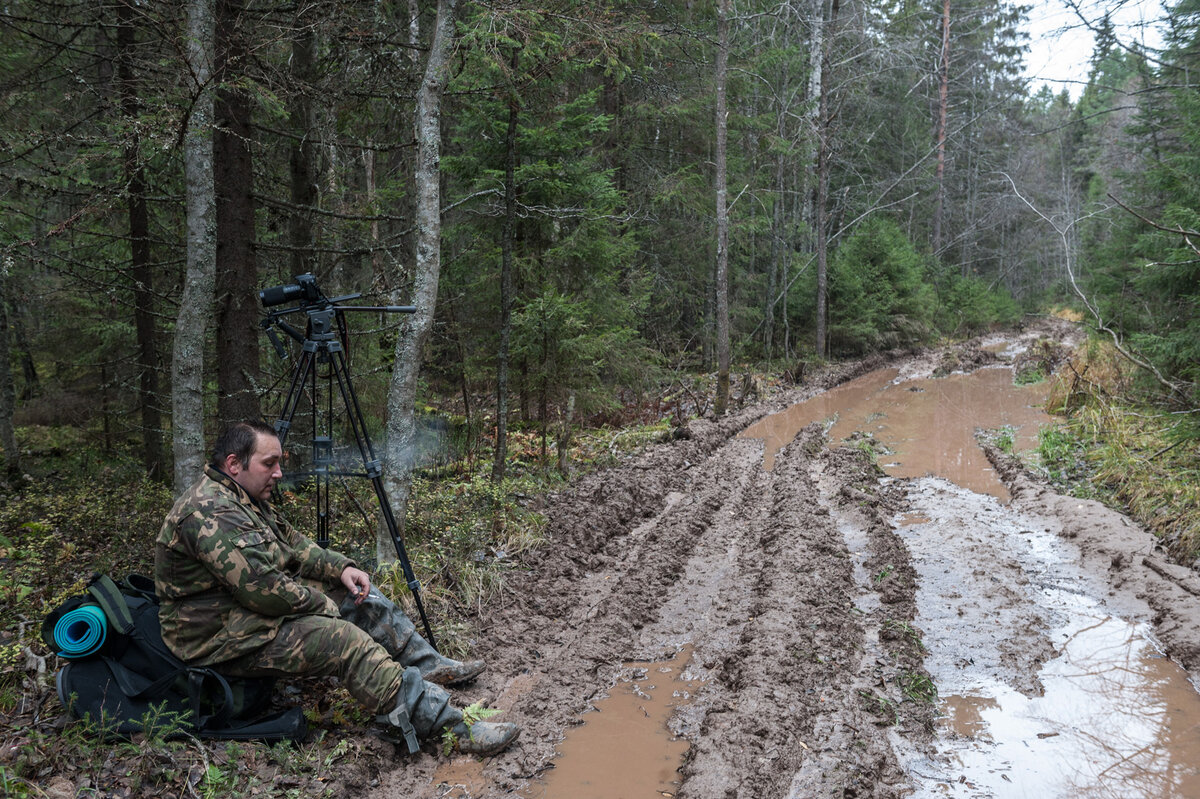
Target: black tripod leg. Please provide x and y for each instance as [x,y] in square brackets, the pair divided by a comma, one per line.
[375,473]
[304,365]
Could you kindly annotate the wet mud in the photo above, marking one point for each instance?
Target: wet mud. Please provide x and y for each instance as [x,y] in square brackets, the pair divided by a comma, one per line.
[624,747]
[822,640]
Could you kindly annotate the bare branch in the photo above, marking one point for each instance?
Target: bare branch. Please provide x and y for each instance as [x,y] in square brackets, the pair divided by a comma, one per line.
[1063,231]
[1188,235]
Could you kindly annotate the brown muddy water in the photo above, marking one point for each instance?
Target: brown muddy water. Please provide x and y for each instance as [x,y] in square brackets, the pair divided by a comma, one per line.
[928,425]
[1105,714]
[1044,691]
[624,749]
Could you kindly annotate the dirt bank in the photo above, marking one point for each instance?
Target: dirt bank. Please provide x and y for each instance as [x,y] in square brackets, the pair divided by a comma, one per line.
[796,590]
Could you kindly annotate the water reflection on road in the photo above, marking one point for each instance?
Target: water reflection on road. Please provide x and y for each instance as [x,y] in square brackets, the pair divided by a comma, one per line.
[1116,720]
[1107,716]
[1044,692]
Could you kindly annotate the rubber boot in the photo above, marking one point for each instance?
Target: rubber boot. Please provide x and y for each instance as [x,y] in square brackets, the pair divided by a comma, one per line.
[390,627]
[485,737]
[423,710]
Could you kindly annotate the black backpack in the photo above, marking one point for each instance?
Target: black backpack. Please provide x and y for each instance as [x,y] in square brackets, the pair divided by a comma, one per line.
[120,675]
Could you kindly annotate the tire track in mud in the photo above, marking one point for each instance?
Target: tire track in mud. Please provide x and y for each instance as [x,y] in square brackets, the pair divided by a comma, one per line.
[572,619]
[791,660]
[793,587]
[856,757]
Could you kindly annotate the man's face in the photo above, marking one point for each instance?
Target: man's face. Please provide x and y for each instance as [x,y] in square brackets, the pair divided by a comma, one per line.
[261,474]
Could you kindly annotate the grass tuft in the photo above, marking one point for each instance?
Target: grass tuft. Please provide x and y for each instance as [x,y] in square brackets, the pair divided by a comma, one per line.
[1116,445]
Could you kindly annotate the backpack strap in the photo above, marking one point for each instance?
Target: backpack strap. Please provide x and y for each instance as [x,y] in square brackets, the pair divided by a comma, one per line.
[110,599]
[139,585]
[138,687]
[202,684]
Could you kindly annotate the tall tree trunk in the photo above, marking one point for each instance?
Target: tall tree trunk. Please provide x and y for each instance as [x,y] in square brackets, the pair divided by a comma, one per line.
[303,156]
[824,152]
[414,331]
[414,31]
[544,389]
[32,383]
[812,119]
[722,273]
[943,95]
[187,363]
[563,443]
[139,251]
[775,267]
[369,158]
[500,456]
[237,267]
[8,439]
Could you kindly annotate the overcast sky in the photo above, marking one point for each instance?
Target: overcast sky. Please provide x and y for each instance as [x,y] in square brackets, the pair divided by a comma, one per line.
[1060,44]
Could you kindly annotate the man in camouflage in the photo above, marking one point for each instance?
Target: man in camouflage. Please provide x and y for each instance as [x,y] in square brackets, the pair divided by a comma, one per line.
[242,591]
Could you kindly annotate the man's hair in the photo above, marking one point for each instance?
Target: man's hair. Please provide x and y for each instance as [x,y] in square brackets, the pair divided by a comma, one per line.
[239,439]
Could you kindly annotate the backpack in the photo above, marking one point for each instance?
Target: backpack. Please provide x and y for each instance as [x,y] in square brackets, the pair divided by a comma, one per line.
[119,674]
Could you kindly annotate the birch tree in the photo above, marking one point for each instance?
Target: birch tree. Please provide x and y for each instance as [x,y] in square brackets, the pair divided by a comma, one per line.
[943,92]
[195,306]
[414,331]
[825,130]
[722,190]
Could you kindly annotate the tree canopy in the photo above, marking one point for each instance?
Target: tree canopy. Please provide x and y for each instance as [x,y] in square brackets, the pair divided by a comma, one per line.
[888,179]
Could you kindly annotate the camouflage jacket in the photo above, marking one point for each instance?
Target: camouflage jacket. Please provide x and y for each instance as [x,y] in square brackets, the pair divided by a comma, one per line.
[229,570]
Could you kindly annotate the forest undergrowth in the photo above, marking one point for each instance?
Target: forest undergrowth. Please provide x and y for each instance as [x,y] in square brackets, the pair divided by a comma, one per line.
[79,511]
[1118,445]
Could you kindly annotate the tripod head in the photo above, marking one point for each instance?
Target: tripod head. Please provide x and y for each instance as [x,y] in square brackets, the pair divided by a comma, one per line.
[312,302]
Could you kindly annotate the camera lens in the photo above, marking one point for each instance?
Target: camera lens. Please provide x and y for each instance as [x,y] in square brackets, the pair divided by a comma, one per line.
[277,295]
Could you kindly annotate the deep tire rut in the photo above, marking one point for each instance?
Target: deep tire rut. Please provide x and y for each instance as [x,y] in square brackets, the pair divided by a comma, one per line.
[795,590]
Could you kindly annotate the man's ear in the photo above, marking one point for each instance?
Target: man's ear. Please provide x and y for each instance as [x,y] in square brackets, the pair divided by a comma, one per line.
[232,465]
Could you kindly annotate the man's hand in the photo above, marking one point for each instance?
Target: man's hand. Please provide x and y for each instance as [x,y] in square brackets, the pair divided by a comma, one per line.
[357,582]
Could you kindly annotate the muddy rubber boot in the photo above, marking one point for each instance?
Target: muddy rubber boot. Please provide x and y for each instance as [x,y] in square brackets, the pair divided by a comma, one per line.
[485,737]
[390,627]
[422,710]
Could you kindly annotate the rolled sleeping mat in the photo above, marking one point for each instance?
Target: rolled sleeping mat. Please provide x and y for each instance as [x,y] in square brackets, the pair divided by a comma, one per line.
[81,632]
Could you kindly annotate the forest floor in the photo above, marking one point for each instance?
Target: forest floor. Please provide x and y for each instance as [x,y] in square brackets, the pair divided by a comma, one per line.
[815,617]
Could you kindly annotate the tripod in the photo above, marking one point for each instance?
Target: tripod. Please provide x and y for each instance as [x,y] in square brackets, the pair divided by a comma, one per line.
[321,344]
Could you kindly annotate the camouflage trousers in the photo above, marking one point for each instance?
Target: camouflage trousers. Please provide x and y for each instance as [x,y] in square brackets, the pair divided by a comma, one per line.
[321,646]
[324,646]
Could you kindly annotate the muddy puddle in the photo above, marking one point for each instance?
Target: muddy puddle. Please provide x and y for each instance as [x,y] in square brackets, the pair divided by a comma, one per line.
[1044,690]
[927,425]
[623,748]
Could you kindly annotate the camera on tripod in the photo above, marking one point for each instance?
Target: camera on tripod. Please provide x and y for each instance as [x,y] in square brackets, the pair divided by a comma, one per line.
[304,288]
[322,341]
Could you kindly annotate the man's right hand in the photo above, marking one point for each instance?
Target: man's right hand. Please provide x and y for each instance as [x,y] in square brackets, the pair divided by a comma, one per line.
[357,582]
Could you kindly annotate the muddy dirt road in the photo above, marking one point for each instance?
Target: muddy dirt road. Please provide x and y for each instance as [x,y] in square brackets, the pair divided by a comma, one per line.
[823,603]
